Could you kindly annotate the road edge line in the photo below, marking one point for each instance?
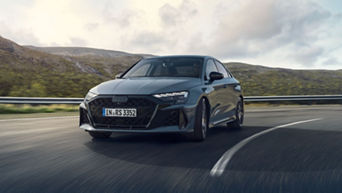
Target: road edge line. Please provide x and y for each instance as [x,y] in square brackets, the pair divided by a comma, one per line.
[221,164]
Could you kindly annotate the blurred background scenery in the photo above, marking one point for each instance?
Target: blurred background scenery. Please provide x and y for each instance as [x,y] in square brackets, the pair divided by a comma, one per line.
[72,71]
[47,48]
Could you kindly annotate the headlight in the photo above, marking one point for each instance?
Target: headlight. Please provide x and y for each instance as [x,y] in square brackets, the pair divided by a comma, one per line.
[173,97]
[90,96]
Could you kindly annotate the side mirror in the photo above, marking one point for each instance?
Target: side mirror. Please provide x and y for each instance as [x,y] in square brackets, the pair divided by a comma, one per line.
[215,76]
[118,76]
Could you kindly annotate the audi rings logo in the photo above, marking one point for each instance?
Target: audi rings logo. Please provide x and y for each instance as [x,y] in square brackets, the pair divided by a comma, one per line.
[119,99]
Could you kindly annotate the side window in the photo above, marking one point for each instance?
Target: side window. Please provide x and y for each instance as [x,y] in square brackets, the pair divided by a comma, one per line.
[211,67]
[229,73]
[222,69]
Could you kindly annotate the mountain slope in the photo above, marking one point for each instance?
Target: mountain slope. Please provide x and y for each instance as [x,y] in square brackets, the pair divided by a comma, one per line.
[71,71]
[105,63]
[27,72]
[260,80]
[79,51]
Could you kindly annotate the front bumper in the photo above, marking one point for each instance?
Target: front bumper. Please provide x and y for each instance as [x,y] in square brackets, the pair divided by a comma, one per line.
[165,129]
[165,119]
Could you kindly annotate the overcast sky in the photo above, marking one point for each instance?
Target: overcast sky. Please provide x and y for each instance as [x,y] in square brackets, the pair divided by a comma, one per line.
[276,33]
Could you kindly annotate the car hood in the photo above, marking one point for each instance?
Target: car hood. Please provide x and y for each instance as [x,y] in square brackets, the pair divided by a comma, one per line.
[145,86]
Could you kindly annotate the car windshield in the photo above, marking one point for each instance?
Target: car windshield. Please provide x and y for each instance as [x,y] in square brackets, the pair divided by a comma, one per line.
[167,67]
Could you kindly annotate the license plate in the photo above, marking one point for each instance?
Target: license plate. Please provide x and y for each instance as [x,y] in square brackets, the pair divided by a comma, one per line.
[119,112]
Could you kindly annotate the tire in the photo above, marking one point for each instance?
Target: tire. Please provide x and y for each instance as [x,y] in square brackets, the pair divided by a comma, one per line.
[100,134]
[201,121]
[239,116]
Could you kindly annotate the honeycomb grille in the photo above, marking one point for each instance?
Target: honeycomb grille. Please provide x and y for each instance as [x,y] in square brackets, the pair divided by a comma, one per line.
[145,108]
[165,118]
[83,117]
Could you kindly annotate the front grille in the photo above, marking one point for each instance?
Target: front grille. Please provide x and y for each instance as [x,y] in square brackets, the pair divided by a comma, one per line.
[145,108]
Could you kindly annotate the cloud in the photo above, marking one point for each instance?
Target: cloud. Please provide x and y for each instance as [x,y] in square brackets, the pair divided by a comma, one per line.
[23,36]
[307,56]
[78,41]
[260,27]
[332,62]
[288,33]
[122,18]
[147,38]
[171,15]
[91,26]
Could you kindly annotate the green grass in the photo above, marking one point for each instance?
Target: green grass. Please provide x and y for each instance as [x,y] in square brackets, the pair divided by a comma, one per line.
[25,109]
[31,73]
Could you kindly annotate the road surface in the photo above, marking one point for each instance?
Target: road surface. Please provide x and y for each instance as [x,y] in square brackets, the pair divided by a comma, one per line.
[283,150]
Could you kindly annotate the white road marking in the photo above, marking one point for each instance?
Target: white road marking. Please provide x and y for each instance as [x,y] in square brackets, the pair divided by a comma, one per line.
[38,118]
[221,164]
[288,109]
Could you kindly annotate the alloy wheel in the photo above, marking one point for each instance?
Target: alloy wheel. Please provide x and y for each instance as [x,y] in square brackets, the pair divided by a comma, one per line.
[204,119]
[240,112]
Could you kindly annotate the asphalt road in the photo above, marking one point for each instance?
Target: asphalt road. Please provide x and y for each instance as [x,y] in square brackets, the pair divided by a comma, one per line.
[54,155]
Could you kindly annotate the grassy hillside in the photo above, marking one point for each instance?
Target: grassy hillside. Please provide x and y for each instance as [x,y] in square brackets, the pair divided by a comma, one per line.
[259,80]
[29,72]
[71,71]
[104,63]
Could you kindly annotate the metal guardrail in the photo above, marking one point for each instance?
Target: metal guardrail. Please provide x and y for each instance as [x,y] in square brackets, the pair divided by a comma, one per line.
[293,98]
[47,100]
[39,100]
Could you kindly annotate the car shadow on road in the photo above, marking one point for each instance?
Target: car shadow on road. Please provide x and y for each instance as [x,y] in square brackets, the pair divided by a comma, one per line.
[172,150]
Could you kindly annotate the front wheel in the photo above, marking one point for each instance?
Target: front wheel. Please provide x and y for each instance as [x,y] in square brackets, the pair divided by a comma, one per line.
[201,121]
[239,116]
[100,134]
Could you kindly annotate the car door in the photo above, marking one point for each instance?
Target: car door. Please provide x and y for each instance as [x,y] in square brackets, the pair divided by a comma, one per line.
[230,94]
[217,90]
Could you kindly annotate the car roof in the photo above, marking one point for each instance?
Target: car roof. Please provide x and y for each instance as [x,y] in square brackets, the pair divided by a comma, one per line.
[180,56]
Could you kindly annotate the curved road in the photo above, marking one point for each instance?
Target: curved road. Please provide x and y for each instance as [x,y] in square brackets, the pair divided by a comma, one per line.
[54,155]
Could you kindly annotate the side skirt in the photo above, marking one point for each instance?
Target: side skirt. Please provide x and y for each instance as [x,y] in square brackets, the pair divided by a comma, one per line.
[226,120]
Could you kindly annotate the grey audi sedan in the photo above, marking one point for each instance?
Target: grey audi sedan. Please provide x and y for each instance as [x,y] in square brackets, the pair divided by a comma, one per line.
[168,94]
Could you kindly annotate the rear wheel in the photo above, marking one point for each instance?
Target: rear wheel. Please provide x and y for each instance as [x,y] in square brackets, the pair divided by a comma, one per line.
[100,134]
[239,116]
[201,121]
